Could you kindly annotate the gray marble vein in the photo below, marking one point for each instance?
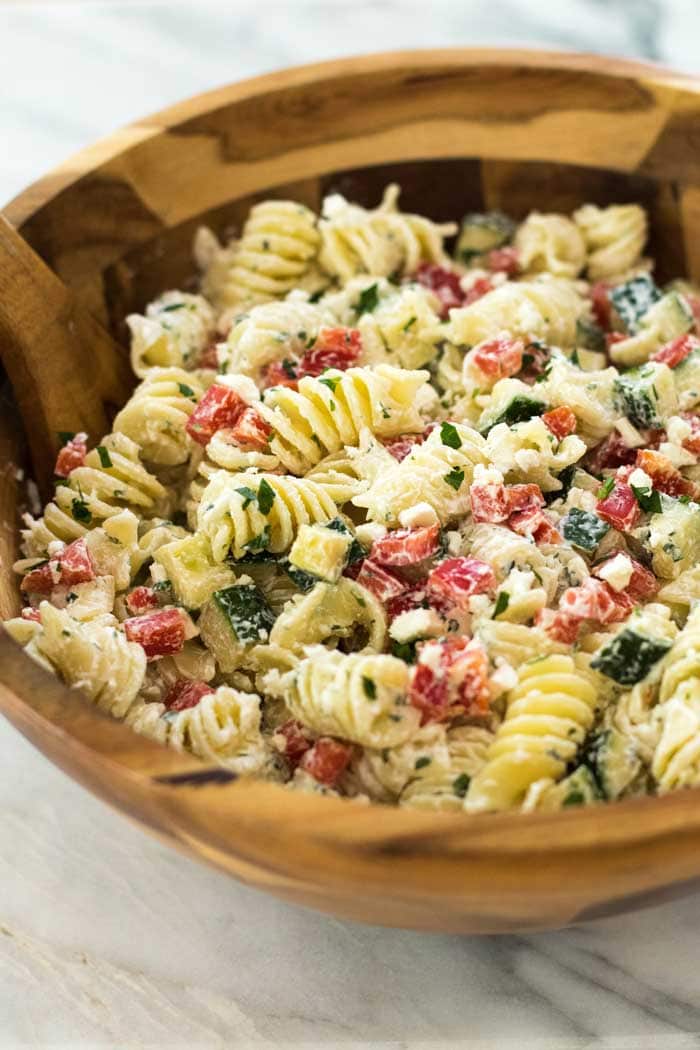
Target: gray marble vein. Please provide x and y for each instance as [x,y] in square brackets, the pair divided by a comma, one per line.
[109,939]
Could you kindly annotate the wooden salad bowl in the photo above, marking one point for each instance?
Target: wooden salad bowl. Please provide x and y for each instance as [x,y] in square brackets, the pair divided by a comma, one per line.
[461,130]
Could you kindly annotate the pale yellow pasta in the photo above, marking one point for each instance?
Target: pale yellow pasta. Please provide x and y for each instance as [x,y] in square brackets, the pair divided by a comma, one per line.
[547,309]
[174,332]
[443,786]
[156,414]
[329,613]
[382,775]
[614,238]
[551,244]
[271,332]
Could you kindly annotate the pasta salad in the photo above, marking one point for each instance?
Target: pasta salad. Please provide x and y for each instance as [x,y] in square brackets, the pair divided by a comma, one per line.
[393,523]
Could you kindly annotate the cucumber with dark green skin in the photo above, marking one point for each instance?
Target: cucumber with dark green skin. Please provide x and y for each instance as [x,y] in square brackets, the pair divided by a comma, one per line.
[646,395]
[632,299]
[583,529]
[246,610]
[630,656]
[580,788]
[303,580]
[481,232]
[590,336]
[518,410]
[613,762]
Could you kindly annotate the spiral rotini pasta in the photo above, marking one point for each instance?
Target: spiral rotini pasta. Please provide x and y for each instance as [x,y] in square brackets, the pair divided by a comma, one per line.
[271,332]
[174,332]
[361,697]
[277,248]
[614,238]
[550,244]
[548,715]
[546,309]
[156,414]
[444,785]
[331,613]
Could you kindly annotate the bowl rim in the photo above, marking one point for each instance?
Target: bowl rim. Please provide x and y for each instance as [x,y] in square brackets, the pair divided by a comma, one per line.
[630,823]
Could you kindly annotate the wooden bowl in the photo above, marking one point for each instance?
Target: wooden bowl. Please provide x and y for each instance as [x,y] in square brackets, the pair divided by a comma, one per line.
[461,131]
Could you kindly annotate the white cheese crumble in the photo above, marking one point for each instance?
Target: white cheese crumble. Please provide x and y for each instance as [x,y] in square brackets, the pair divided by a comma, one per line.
[241,385]
[487,475]
[417,517]
[617,572]
[369,532]
[416,623]
[639,479]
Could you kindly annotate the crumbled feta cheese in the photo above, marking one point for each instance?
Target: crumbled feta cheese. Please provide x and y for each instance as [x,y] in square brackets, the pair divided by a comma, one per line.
[487,475]
[54,548]
[617,572]
[158,572]
[629,434]
[369,532]
[527,459]
[419,516]
[504,678]
[479,604]
[678,429]
[639,479]
[241,385]
[416,623]
[454,543]
[679,456]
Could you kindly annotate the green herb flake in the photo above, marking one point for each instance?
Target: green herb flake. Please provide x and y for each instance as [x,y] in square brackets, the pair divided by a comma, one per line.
[266,497]
[409,324]
[606,488]
[368,301]
[249,495]
[173,306]
[648,499]
[259,542]
[422,762]
[105,458]
[502,603]
[331,382]
[455,478]
[81,511]
[460,785]
[369,687]
[449,436]
[186,390]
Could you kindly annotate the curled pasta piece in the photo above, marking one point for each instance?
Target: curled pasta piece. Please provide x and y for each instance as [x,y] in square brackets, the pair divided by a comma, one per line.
[589,395]
[382,775]
[270,332]
[514,643]
[174,332]
[444,785]
[111,479]
[331,613]
[359,697]
[615,237]
[223,727]
[382,241]
[254,512]
[676,762]
[434,472]
[682,662]
[329,412]
[94,657]
[525,452]
[548,715]
[156,414]
[277,248]
[550,243]
[340,475]
[546,308]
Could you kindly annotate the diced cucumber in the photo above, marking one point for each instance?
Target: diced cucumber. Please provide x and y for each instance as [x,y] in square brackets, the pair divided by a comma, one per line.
[667,319]
[580,788]
[511,402]
[192,570]
[674,537]
[481,232]
[613,760]
[630,655]
[591,337]
[632,299]
[320,551]
[647,395]
[234,618]
[583,529]
[686,376]
[356,552]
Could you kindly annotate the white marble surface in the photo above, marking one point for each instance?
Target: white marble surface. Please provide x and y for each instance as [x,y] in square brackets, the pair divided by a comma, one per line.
[107,938]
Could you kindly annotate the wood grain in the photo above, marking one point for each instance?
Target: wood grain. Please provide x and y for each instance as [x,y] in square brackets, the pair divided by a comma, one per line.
[460,130]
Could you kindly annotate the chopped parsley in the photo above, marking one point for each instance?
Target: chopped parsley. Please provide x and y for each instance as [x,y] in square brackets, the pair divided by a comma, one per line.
[266,496]
[248,494]
[460,785]
[81,511]
[422,762]
[105,458]
[369,687]
[411,321]
[259,542]
[606,488]
[172,307]
[330,381]
[368,301]
[502,603]
[186,390]
[648,499]
[449,436]
[455,478]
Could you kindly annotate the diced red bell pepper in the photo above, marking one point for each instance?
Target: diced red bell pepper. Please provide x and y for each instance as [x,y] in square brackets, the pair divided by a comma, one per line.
[504,260]
[73,565]
[334,348]
[594,601]
[524,497]
[665,477]
[327,760]
[382,584]
[499,358]
[293,740]
[158,633]
[620,509]
[209,357]
[642,583]
[72,455]
[445,284]
[560,626]
[455,580]
[477,290]
[31,614]
[251,431]
[184,693]
[450,677]
[692,442]
[280,373]
[613,451]
[490,503]
[220,407]
[561,421]
[600,303]
[400,447]
[677,350]
[415,598]
[406,546]
[535,360]
[141,600]
[532,521]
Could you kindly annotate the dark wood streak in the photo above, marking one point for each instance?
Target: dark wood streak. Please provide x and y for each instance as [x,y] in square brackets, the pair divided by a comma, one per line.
[198,777]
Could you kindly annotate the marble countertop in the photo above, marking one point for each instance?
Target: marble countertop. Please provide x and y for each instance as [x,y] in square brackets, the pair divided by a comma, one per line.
[109,939]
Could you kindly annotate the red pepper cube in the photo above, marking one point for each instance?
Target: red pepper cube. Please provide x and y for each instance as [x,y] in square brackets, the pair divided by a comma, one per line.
[72,455]
[220,407]
[613,451]
[665,477]
[158,633]
[41,580]
[600,303]
[445,285]
[455,580]
[186,692]
[327,760]
[280,374]
[642,585]
[382,584]
[620,509]
[334,348]
[31,614]
[251,431]
[141,600]
[401,446]
[561,421]
[450,677]
[477,290]
[490,503]
[527,497]
[73,565]
[292,740]
[677,350]
[499,358]
[504,260]
[406,546]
